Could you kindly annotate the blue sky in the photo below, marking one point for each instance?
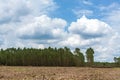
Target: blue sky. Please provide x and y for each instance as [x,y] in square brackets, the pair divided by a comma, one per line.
[66,8]
[59,23]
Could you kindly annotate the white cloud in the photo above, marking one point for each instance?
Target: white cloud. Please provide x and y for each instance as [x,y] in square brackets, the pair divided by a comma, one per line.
[40,31]
[89,28]
[43,27]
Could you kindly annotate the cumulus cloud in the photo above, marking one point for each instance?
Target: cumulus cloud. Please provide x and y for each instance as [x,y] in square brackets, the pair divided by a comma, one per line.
[89,28]
[40,31]
[43,28]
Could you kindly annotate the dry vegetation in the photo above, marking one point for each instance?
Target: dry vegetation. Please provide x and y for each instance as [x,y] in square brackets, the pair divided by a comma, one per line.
[58,73]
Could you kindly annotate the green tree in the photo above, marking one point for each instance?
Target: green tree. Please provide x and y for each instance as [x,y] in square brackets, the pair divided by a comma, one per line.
[90,56]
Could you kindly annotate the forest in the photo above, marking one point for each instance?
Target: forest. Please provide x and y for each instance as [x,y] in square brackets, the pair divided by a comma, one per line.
[52,57]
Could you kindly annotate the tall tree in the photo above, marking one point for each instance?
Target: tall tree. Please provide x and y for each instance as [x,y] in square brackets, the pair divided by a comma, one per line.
[90,56]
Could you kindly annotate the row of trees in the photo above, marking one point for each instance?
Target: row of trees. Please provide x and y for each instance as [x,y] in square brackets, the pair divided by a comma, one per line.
[51,57]
[45,57]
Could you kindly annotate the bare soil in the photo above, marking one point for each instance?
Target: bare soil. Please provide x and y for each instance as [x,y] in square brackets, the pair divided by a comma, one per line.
[58,73]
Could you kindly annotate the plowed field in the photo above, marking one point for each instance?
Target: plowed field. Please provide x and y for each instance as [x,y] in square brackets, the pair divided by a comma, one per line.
[58,73]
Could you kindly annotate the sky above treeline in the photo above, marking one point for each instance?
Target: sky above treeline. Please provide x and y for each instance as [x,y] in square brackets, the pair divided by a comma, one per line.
[59,23]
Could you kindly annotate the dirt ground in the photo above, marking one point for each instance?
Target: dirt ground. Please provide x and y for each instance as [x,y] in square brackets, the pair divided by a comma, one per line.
[58,73]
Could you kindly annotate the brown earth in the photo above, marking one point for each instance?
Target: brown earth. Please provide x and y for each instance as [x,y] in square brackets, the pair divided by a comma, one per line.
[58,73]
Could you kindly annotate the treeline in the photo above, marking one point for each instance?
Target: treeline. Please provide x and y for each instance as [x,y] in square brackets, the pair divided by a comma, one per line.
[51,57]
[43,57]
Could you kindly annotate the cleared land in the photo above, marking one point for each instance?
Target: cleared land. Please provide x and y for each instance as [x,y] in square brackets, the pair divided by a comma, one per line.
[58,73]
